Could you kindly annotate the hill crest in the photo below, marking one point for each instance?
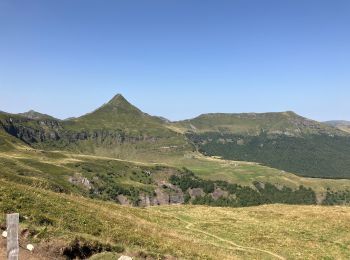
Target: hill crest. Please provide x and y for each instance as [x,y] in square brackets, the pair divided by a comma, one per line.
[287,122]
[32,114]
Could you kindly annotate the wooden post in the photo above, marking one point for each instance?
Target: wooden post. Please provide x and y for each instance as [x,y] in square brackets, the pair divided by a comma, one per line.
[12,221]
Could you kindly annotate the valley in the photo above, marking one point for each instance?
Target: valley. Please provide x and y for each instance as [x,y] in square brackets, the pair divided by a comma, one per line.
[119,181]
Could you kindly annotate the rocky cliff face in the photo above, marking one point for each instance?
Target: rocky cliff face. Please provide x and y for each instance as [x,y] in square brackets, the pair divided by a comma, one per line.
[163,195]
[35,132]
[32,131]
[109,130]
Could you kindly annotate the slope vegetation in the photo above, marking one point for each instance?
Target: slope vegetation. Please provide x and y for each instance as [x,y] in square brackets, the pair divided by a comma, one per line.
[287,123]
[342,125]
[117,129]
[68,199]
[284,141]
[63,225]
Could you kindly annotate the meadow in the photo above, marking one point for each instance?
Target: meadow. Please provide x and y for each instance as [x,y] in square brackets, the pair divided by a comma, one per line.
[62,222]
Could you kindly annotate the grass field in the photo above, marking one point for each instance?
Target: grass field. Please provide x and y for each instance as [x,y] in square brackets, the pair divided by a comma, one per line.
[186,232]
[56,221]
[27,163]
[245,173]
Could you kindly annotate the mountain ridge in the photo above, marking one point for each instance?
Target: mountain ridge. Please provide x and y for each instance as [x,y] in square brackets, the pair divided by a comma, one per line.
[287,122]
[282,140]
[32,114]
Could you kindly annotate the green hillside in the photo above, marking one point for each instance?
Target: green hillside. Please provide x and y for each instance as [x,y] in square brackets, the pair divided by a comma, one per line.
[286,123]
[68,178]
[36,115]
[118,113]
[216,182]
[284,141]
[117,129]
[63,226]
[342,125]
[312,156]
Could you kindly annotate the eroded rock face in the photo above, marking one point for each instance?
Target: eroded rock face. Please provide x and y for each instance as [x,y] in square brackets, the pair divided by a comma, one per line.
[77,179]
[161,198]
[196,192]
[123,200]
[42,133]
[145,201]
[164,194]
[38,131]
[219,193]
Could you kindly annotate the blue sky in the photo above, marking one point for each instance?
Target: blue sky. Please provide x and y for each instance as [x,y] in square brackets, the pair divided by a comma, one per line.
[176,58]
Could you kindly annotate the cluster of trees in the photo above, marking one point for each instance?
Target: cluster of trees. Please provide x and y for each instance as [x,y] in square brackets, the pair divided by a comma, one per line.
[110,189]
[189,180]
[240,196]
[337,198]
[271,194]
[320,156]
[106,181]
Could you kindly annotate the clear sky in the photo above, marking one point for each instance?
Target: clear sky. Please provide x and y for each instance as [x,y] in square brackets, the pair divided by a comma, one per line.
[176,58]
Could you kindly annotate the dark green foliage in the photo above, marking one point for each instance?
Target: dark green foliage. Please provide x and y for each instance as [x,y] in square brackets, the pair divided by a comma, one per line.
[271,194]
[241,196]
[322,156]
[109,180]
[337,198]
[187,197]
[189,180]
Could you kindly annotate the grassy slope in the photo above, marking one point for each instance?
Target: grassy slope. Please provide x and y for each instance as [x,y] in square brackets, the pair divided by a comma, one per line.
[187,232]
[241,172]
[342,125]
[116,129]
[118,113]
[289,231]
[245,173]
[311,156]
[36,115]
[284,141]
[51,169]
[157,140]
[345,128]
[253,123]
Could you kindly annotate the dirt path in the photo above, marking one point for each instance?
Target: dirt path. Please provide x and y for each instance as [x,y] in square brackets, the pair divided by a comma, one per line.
[189,226]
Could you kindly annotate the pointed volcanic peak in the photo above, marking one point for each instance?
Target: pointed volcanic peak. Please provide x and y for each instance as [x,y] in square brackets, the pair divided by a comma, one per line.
[288,123]
[120,101]
[115,107]
[119,114]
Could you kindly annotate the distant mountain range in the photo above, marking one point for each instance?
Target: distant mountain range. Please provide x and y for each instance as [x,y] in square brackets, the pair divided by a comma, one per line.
[284,123]
[341,124]
[118,129]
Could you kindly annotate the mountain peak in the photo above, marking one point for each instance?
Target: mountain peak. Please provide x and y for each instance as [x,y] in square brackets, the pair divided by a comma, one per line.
[117,100]
[119,103]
